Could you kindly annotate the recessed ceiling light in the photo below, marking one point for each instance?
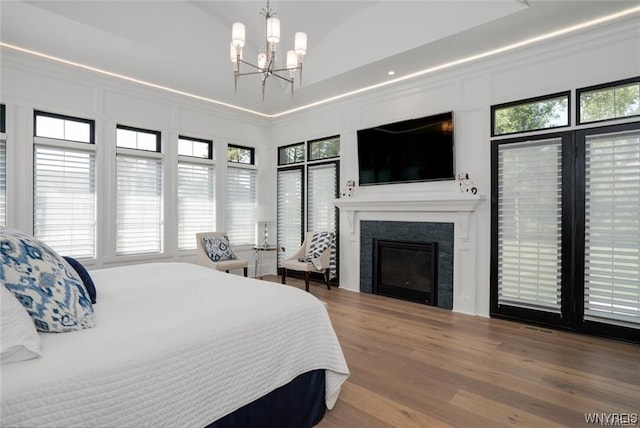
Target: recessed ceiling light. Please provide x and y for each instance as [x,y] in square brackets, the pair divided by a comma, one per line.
[391,72]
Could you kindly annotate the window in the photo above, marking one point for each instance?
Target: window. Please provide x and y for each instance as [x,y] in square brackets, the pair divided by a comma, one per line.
[291,154]
[241,197]
[612,227]
[196,190]
[322,182]
[609,101]
[137,139]
[138,192]
[565,226]
[529,226]
[64,188]
[290,210]
[61,127]
[239,154]
[195,147]
[551,111]
[306,208]
[3,166]
[325,148]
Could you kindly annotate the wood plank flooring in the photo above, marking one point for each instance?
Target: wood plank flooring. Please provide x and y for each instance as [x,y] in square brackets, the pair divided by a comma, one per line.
[418,366]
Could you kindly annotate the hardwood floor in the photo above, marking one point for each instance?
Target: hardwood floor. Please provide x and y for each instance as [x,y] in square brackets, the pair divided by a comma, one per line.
[418,366]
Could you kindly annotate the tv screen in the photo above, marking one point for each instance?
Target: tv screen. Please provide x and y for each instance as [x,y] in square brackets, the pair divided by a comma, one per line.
[411,150]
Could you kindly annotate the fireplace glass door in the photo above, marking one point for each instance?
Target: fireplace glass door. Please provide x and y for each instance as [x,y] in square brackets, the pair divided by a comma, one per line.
[406,270]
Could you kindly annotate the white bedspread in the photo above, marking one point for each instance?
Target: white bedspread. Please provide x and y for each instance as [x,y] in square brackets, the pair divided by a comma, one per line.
[175,345]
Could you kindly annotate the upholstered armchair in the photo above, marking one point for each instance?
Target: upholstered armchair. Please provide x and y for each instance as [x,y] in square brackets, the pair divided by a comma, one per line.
[220,251]
[317,254]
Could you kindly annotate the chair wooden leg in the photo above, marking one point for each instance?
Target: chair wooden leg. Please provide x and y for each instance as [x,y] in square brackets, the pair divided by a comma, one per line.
[327,276]
[306,281]
[284,275]
[246,271]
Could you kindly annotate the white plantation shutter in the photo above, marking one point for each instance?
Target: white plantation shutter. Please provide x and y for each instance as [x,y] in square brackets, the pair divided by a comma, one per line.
[321,191]
[64,198]
[529,224]
[289,211]
[138,202]
[196,202]
[3,182]
[612,228]
[241,197]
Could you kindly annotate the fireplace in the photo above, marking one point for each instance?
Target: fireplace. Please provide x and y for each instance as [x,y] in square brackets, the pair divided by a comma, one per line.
[440,235]
[448,218]
[406,270]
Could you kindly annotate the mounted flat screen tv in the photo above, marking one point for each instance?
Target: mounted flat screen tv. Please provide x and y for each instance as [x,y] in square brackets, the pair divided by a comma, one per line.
[411,150]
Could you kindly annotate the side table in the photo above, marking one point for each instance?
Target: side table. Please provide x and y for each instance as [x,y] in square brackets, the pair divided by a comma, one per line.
[259,250]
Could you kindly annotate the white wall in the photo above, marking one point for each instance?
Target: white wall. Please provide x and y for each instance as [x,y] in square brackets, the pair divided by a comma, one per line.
[600,55]
[592,57]
[29,83]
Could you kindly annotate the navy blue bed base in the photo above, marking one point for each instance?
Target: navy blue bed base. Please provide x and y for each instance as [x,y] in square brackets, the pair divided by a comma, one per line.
[298,404]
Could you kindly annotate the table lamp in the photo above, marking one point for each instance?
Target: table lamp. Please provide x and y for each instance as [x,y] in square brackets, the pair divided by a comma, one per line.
[263,215]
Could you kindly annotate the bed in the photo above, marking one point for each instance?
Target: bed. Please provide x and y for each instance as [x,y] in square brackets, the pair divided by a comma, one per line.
[180,345]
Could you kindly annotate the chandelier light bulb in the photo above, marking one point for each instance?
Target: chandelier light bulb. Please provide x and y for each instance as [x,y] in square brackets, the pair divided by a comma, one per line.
[273,30]
[237,34]
[292,59]
[301,43]
[262,60]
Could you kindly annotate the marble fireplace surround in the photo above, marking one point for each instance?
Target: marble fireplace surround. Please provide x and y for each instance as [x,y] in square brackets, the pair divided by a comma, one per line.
[456,208]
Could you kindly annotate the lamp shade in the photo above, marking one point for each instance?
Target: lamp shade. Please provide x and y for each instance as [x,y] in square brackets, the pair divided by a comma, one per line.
[273,30]
[263,213]
[292,59]
[237,34]
[301,43]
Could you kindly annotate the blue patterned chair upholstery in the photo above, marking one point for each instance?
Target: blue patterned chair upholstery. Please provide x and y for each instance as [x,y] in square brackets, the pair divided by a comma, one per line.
[225,265]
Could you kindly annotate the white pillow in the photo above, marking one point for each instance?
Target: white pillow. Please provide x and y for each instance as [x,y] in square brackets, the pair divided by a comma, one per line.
[19,340]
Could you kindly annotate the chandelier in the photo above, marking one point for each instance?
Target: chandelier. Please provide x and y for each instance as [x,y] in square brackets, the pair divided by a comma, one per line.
[267,54]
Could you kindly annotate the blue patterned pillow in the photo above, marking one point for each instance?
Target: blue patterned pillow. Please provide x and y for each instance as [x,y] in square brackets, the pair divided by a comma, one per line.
[89,286]
[218,248]
[45,284]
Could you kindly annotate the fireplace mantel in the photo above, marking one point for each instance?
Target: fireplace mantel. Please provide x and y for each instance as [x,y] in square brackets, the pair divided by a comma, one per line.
[460,204]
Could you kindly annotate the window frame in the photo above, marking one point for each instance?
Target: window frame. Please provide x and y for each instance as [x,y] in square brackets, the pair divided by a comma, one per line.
[611,330]
[157,134]
[496,107]
[208,162]
[608,85]
[73,146]
[90,122]
[518,312]
[304,168]
[320,140]
[242,167]
[573,231]
[197,140]
[252,154]
[128,152]
[301,167]
[288,146]
[3,118]
[307,182]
